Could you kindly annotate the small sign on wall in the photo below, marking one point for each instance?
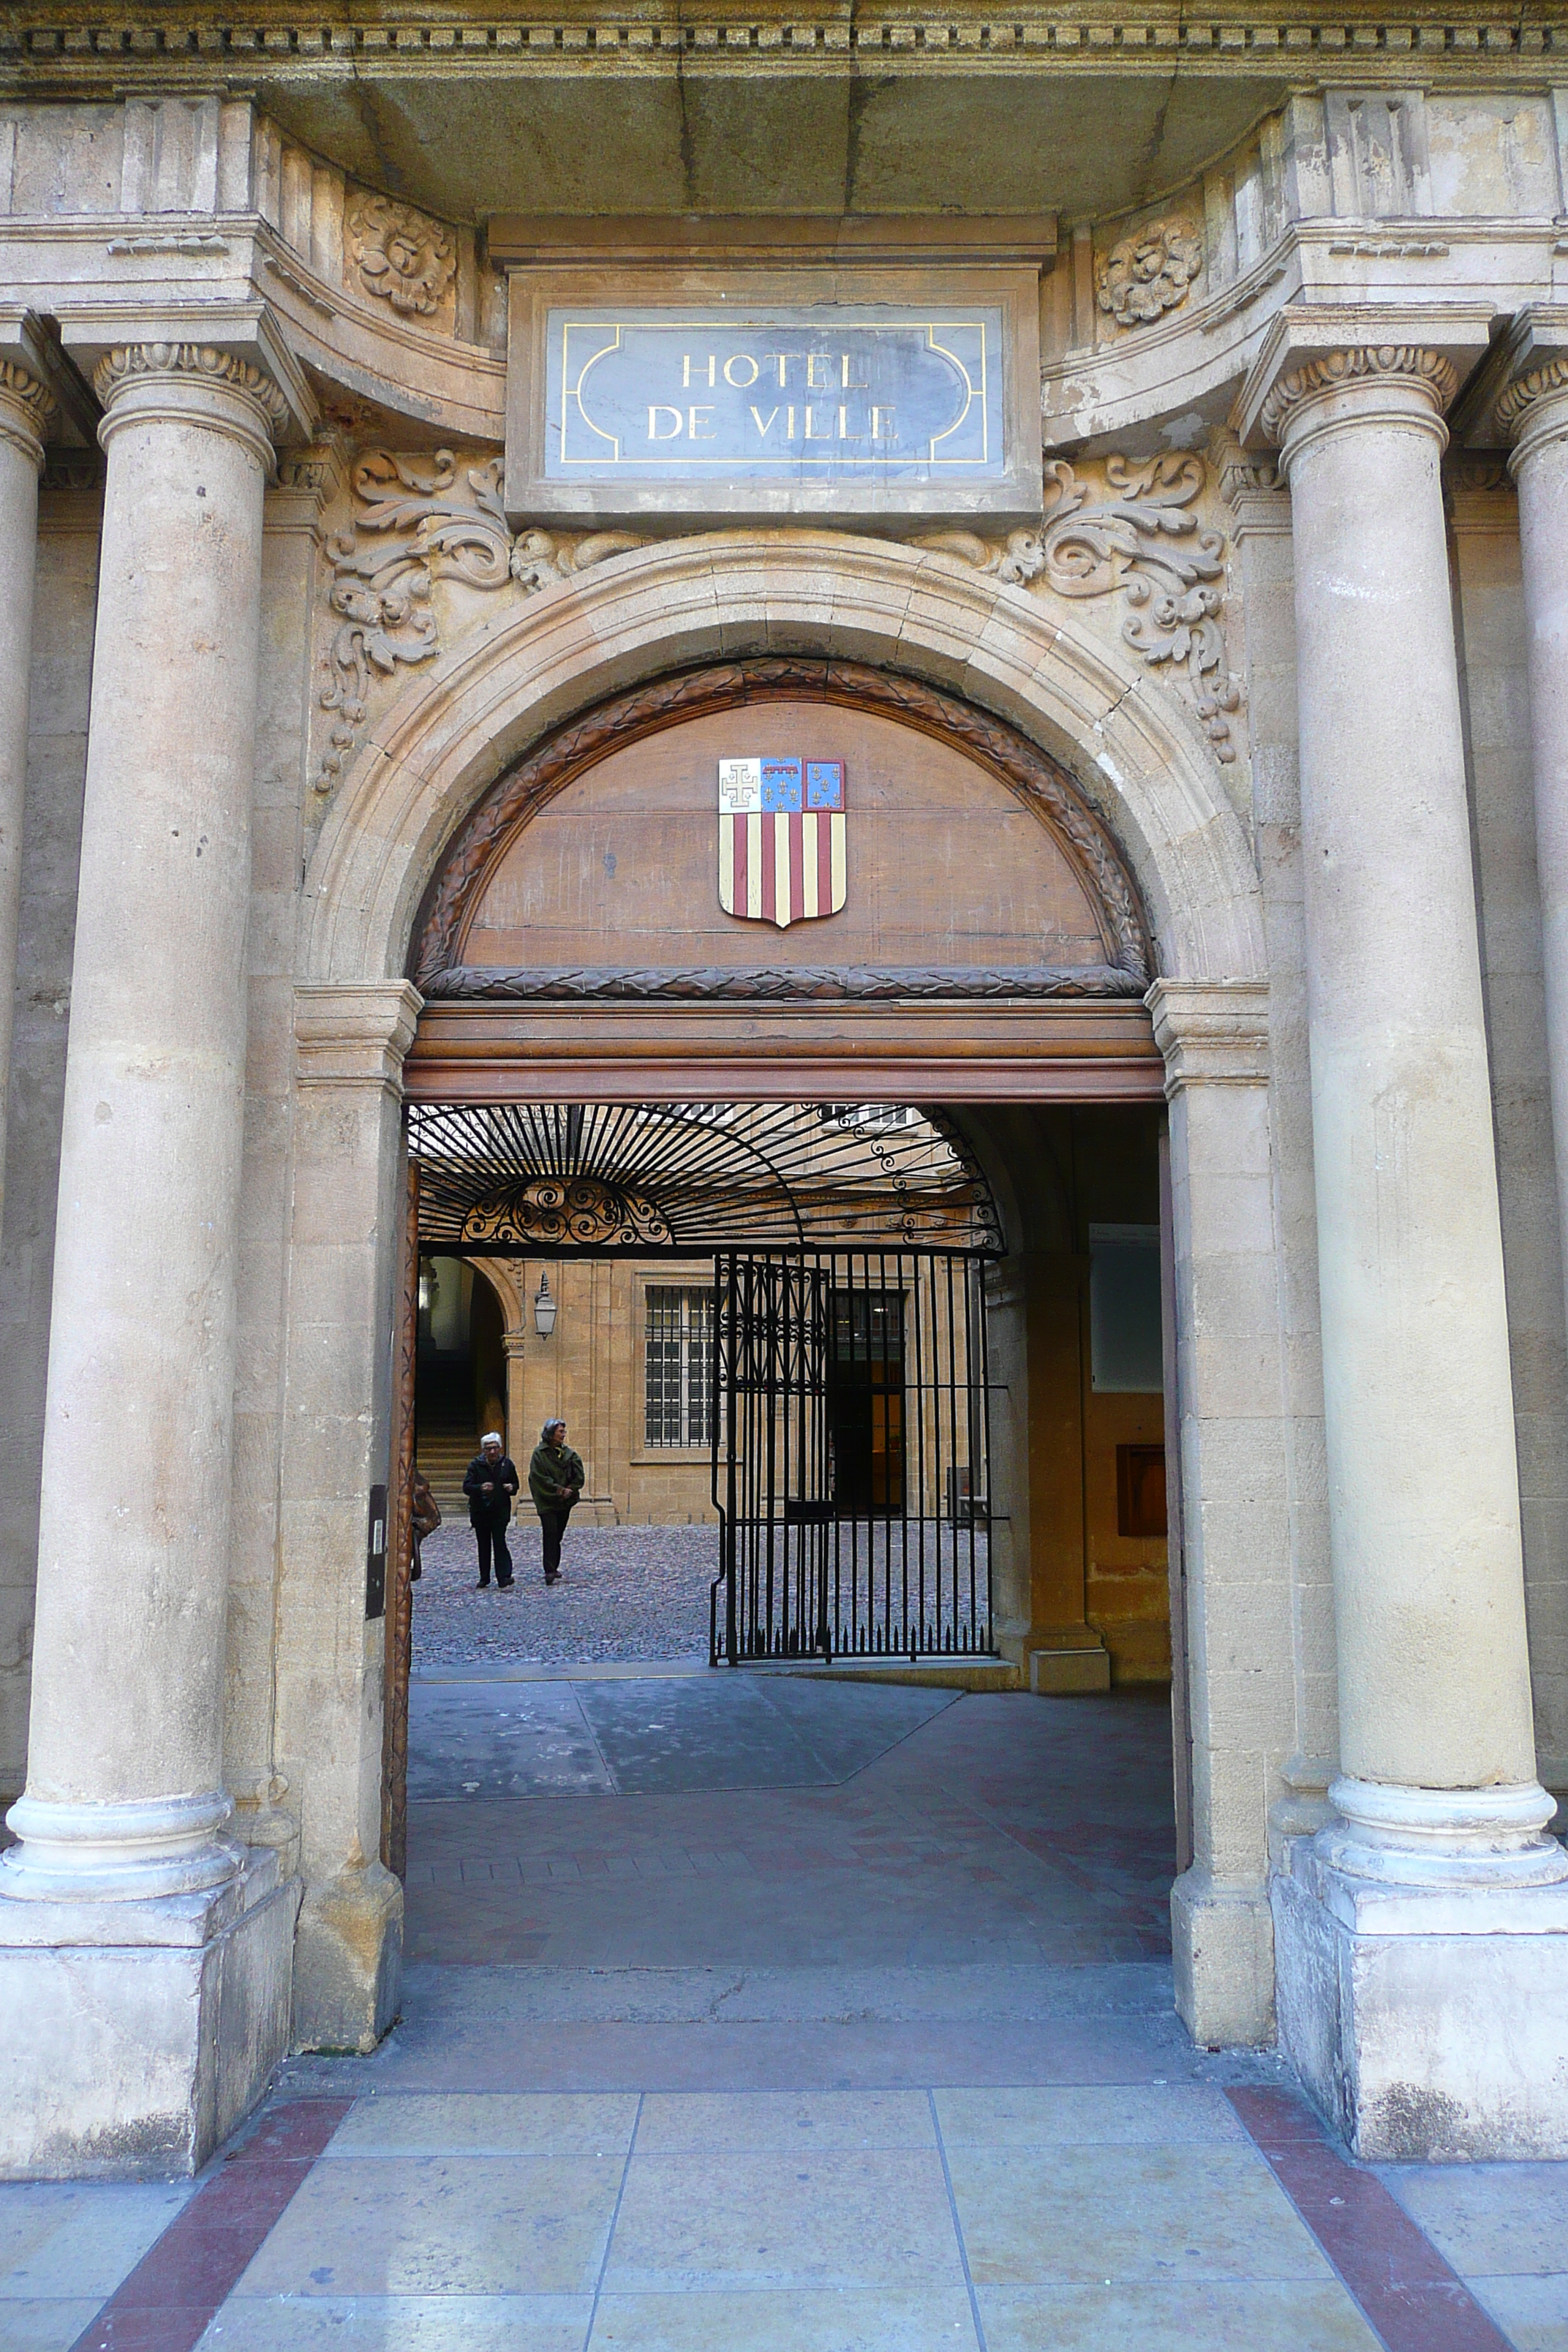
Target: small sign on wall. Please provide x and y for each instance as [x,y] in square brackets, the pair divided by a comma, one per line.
[375,1556]
[899,393]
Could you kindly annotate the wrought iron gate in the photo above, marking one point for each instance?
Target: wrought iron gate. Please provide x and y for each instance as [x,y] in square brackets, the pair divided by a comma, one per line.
[850,1455]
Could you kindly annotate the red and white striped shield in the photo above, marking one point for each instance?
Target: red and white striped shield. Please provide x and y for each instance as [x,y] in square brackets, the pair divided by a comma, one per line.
[780,839]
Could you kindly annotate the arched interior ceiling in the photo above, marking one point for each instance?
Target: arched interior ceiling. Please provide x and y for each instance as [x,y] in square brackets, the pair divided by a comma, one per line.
[518,1178]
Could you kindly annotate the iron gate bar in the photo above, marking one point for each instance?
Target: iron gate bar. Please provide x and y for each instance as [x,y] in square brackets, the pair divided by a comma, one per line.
[816,1351]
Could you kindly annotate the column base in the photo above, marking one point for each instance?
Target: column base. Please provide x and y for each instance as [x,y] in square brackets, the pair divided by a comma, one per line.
[348,1961]
[139,2033]
[1222,1941]
[1426,2022]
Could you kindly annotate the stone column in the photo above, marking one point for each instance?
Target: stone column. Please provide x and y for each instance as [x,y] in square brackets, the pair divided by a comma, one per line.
[26,408]
[1388,2001]
[1534,411]
[1234,1531]
[345,1251]
[121,1827]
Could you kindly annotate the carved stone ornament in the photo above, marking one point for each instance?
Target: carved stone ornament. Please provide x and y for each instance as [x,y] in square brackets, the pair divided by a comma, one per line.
[131,362]
[20,390]
[1029,772]
[1541,384]
[1149,272]
[416,522]
[1430,370]
[1143,544]
[402,257]
[549,1212]
[785,984]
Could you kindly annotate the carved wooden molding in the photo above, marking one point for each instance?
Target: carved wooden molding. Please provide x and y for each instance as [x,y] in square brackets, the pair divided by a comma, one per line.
[777,984]
[1035,778]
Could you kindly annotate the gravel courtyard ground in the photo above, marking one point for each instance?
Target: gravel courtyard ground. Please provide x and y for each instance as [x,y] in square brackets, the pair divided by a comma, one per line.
[625,1593]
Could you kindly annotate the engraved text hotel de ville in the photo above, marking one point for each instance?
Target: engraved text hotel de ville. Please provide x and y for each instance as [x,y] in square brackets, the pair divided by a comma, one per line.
[804,390]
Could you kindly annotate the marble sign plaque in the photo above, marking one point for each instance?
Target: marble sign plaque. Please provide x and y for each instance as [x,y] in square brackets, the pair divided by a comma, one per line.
[795,395]
[731,405]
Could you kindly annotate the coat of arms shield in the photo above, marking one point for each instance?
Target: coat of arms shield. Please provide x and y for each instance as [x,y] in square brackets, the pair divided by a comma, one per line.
[780,839]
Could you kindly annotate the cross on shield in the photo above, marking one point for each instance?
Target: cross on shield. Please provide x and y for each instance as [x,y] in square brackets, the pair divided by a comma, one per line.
[780,839]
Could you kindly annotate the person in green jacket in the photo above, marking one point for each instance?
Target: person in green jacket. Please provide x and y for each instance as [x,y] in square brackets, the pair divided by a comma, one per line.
[555,1476]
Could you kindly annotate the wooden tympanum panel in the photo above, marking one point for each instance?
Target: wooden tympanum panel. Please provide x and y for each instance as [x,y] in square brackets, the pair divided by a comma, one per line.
[945,865]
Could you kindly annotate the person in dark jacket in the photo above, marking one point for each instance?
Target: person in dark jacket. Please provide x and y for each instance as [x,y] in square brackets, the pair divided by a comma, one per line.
[555,1476]
[491,1483]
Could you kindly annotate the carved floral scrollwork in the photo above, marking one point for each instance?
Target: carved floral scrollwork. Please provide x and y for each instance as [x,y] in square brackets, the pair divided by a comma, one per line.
[415,521]
[548,1212]
[402,257]
[1145,544]
[1149,272]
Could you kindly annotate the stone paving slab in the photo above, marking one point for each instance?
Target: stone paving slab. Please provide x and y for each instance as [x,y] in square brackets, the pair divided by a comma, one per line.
[903,2151]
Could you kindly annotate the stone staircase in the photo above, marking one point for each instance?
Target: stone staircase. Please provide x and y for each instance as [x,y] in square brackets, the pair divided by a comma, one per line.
[443,1454]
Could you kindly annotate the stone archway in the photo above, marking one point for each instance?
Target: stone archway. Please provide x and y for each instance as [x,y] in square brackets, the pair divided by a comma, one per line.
[1141,765]
[1147,775]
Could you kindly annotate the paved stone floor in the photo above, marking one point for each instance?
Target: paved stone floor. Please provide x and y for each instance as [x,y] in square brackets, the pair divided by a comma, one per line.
[753,2014]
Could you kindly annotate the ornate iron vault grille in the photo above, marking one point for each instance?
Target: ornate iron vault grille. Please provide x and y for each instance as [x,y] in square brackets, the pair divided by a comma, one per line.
[850,1455]
[690,1178]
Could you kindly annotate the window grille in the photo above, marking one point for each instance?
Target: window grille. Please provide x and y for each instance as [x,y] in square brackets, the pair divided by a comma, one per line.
[679,1360]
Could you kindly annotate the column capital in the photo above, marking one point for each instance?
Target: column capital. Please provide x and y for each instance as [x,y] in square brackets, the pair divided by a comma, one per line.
[1211,1032]
[27,409]
[1533,410]
[1374,368]
[1322,364]
[201,384]
[355,1033]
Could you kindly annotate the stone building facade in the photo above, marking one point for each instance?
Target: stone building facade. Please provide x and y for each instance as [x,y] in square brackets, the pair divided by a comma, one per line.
[1254,609]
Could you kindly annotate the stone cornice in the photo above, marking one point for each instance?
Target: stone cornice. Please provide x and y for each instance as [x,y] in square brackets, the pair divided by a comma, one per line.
[41,45]
[1211,1032]
[132,364]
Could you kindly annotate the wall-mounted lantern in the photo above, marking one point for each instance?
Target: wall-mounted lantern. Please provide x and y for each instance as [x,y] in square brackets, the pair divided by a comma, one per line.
[543,1309]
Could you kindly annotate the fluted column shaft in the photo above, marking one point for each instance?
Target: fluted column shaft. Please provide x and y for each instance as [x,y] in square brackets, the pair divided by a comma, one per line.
[1535,410]
[125,1770]
[25,411]
[1428,1578]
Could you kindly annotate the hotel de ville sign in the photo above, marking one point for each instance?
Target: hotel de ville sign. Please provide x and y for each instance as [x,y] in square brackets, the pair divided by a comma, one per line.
[711,394]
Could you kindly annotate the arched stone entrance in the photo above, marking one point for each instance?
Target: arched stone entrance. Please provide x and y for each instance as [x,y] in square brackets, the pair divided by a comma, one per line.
[1144,776]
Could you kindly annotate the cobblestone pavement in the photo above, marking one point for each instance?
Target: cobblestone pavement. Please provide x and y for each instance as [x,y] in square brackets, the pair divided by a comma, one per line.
[625,1592]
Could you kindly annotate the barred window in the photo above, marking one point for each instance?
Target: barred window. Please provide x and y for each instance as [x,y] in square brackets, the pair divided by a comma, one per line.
[680,1367]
